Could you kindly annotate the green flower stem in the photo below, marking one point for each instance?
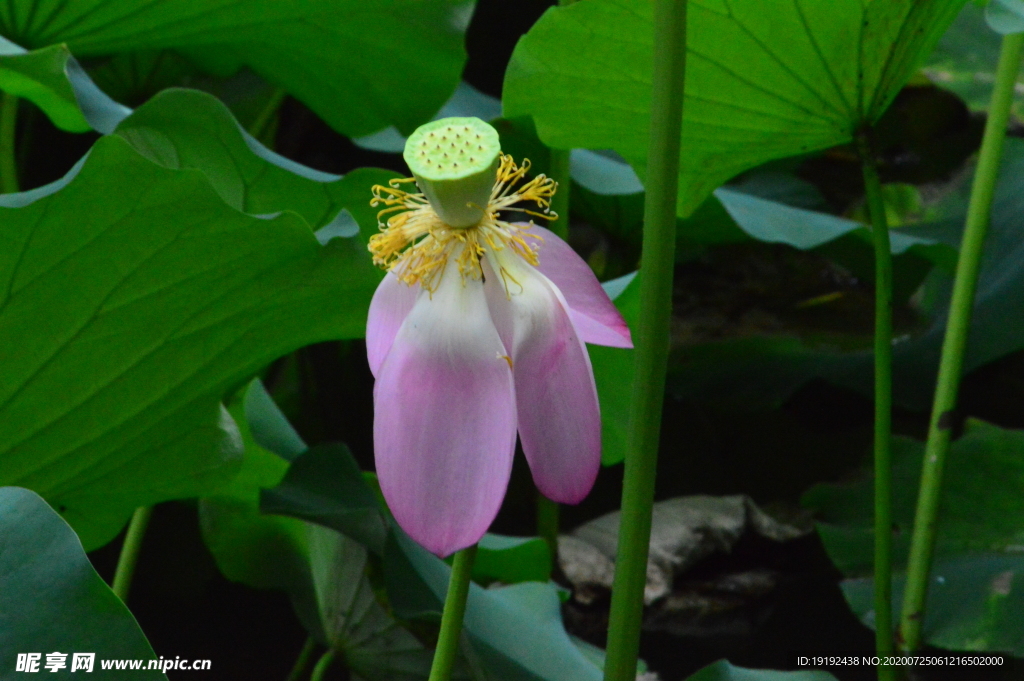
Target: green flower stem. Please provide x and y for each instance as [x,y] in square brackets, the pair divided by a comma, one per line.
[652,339]
[547,525]
[130,552]
[883,408]
[451,620]
[559,172]
[261,124]
[922,546]
[302,661]
[8,124]
[322,665]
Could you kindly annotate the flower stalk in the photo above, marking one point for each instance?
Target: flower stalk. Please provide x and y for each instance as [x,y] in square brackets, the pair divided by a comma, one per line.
[303,660]
[130,552]
[883,407]
[322,665]
[451,619]
[651,362]
[922,546]
[548,513]
[264,125]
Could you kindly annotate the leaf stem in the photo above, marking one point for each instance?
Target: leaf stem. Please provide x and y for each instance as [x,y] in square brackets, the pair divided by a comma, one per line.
[883,407]
[8,163]
[559,172]
[922,546]
[451,620]
[302,661]
[322,665]
[652,335]
[547,525]
[261,124]
[130,552]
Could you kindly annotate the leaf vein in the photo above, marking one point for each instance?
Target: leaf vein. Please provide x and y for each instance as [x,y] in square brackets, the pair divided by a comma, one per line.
[87,322]
[756,86]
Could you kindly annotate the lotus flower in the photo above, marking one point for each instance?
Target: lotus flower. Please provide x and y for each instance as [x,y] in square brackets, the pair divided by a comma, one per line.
[477,332]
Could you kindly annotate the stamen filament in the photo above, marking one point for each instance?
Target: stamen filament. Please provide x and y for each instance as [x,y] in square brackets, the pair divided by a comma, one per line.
[415,244]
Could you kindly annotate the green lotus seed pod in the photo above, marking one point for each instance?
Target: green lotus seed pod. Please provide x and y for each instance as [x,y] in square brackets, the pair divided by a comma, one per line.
[455,162]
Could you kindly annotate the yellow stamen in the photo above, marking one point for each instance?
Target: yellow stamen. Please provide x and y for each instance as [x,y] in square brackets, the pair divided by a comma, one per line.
[416,244]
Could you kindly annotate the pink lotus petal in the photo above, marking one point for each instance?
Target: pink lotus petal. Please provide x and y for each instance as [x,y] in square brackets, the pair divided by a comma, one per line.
[391,303]
[582,291]
[445,423]
[596,333]
[556,399]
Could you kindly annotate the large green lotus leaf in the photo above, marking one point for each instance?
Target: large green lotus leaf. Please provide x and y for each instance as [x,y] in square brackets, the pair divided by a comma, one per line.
[183,128]
[1005,16]
[263,551]
[613,374]
[133,300]
[964,60]
[511,560]
[52,600]
[465,101]
[41,77]
[975,602]
[180,128]
[773,222]
[514,633]
[360,65]
[270,428]
[982,500]
[516,630]
[134,77]
[757,372]
[724,671]
[323,572]
[55,82]
[765,79]
[759,208]
[325,486]
[763,370]
[372,644]
[997,321]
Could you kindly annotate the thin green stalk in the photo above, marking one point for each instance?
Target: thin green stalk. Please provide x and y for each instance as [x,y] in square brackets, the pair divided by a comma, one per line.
[130,552]
[322,665]
[559,171]
[8,163]
[261,124]
[883,408]
[652,339]
[451,620]
[302,661]
[922,546]
[547,525]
